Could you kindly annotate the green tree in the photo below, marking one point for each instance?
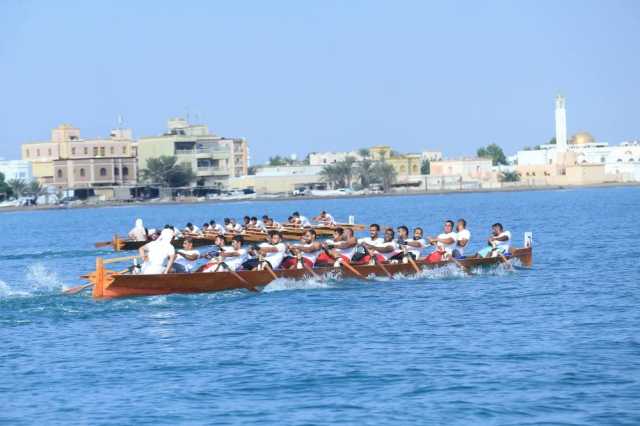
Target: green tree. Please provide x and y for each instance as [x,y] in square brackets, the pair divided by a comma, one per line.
[385,174]
[35,188]
[332,175]
[552,141]
[280,161]
[5,189]
[18,187]
[364,153]
[494,152]
[339,174]
[509,176]
[364,171]
[425,167]
[166,171]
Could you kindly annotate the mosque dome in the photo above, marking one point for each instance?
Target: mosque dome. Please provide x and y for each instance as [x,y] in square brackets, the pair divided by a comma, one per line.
[582,138]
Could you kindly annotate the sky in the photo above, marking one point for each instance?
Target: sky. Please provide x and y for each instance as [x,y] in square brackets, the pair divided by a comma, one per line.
[308,76]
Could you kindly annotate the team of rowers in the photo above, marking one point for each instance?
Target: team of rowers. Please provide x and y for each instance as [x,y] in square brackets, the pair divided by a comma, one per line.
[393,246]
[230,226]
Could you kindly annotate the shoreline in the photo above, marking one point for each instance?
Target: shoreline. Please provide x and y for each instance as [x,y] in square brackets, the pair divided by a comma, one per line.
[304,198]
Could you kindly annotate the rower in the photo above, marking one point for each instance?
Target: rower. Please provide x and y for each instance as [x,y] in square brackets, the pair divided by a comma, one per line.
[343,246]
[236,226]
[257,225]
[184,260]
[191,229]
[416,245]
[403,236]
[138,232]
[271,252]
[498,243]
[158,255]
[307,252]
[216,227]
[463,236]
[206,227]
[300,220]
[325,219]
[230,258]
[444,243]
[381,252]
[246,222]
[329,253]
[361,256]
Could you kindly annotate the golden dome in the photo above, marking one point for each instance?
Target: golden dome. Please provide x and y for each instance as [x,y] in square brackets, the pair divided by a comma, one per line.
[582,138]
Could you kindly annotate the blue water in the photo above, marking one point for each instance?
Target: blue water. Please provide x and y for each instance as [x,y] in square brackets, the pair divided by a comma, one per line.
[556,344]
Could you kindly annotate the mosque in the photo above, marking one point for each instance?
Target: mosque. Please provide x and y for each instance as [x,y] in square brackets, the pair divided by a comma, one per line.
[579,160]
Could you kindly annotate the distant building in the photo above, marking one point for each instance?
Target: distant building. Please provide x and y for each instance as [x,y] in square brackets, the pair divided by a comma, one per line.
[479,169]
[214,159]
[579,160]
[431,155]
[68,161]
[324,158]
[280,179]
[16,169]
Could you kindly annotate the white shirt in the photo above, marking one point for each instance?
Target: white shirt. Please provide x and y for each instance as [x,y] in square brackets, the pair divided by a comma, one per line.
[218,228]
[260,225]
[237,227]
[417,251]
[368,240]
[462,235]
[312,256]
[448,247]
[159,252]
[327,220]
[274,258]
[195,230]
[188,264]
[234,262]
[138,234]
[389,254]
[504,245]
[304,222]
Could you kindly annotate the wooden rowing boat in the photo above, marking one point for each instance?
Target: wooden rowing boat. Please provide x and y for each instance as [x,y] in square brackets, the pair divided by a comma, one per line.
[110,284]
[250,236]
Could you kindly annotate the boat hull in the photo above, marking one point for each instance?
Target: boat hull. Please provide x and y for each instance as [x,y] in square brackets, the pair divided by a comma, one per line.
[108,284]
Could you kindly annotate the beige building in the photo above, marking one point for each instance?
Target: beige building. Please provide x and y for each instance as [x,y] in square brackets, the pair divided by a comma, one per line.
[68,161]
[280,179]
[467,168]
[213,158]
[406,165]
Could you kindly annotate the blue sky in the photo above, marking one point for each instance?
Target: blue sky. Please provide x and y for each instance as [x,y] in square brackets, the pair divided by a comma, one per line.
[300,76]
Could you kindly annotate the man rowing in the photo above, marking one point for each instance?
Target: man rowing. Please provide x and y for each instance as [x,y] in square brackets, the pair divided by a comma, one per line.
[444,243]
[381,252]
[184,260]
[138,232]
[361,255]
[158,255]
[300,220]
[271,252]
[191,229]
[325,219]
[306,252]
[216,227]
[463,236]
[230,257]
[498,243]
[341,248]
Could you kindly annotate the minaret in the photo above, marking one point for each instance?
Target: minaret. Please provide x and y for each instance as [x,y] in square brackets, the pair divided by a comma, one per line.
[561,125]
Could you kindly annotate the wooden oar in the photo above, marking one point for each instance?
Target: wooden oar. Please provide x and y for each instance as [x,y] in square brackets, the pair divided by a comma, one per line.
[465,269]
[346,265]
[78,289]
[505,260]
[266,265]
[103,244]
[413,264]
[384,268]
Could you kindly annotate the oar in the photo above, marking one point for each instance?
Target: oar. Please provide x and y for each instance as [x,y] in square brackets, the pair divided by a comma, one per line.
[266,265]
[78,289]
[102,244]
[505,260]
[346,265]
[413,264]
[384,268]
[238,277]
[465,269]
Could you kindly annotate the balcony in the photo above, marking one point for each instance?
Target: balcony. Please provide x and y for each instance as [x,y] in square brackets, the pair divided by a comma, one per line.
[204,153]
[211,171]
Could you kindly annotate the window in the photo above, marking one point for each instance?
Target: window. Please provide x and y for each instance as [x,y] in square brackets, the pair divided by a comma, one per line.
[111,150]
[49,152]
[27,153]
[82,173]
[37,152]
[125,171]
[102,151]
[415,169]
[124,149]
[60,173]
[403,169]
[73,151]
[86,150]
[116,171]
[103,171]
[95,151]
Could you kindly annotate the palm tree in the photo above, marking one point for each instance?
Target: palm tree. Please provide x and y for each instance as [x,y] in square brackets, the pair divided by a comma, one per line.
[165,171]
[364,171]
[18,186]
[35,188]
[331,174]
[385,174]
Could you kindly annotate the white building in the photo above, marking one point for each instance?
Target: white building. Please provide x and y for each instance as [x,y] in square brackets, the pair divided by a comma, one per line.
[431,155]
[323,158]
[16,169]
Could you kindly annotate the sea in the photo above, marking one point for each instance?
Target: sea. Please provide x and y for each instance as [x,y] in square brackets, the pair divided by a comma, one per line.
[558,343]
